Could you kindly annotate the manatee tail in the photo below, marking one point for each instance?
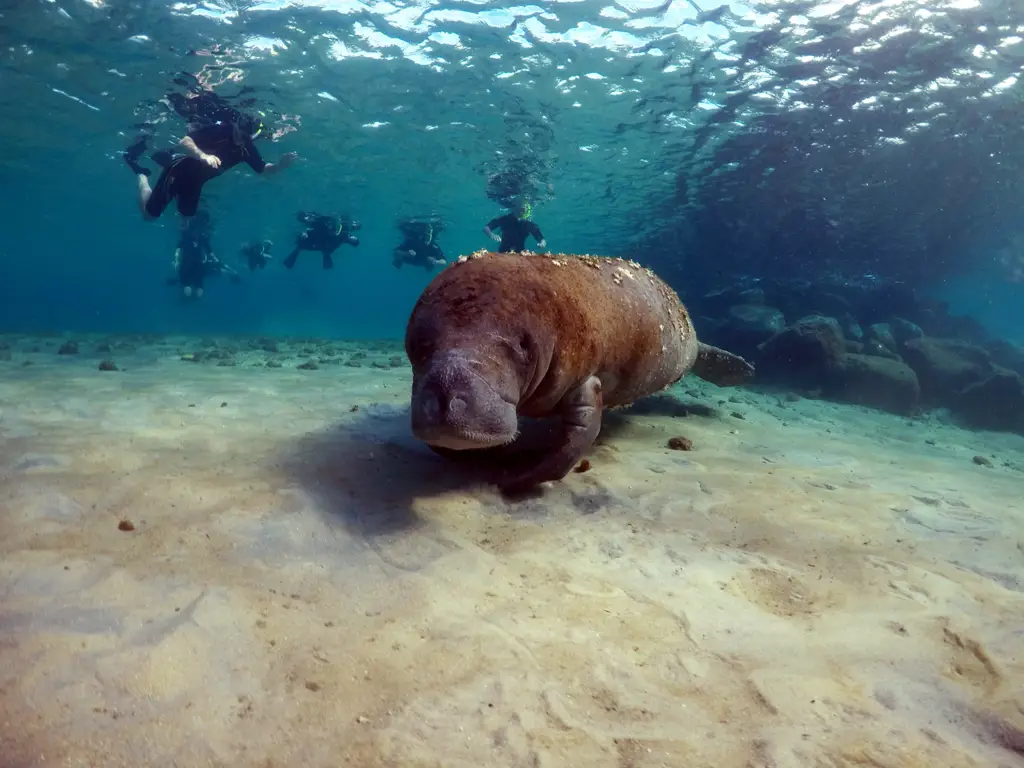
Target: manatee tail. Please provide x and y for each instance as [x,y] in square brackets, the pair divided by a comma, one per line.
[720,367]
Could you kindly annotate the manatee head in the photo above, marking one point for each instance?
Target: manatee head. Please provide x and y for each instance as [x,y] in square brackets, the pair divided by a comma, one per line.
[463,401]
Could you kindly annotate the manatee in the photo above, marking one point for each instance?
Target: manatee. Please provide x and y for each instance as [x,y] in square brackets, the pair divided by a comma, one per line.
[494,337]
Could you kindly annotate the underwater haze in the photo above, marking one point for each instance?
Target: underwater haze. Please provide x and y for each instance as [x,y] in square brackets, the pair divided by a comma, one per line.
[263,442]
[774,138]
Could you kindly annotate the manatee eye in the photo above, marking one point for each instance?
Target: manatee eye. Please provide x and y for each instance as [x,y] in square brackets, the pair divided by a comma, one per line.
[519,344]
[422,350]
[424,353]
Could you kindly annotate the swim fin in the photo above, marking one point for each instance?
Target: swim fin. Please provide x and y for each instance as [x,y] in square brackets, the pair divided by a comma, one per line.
[133,153]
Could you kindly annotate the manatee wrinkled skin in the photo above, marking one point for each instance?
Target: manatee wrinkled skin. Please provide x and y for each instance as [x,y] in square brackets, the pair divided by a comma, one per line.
[497,336]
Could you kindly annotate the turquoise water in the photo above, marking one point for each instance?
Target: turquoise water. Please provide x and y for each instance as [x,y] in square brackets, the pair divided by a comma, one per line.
[643,123]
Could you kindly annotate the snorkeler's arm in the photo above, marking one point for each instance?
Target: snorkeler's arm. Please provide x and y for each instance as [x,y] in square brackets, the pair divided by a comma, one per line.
[190,148]
[538,235]
[269,169]
[193,151]
[489,229]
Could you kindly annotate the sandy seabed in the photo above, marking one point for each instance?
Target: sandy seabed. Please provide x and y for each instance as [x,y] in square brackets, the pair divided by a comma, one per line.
[304,584]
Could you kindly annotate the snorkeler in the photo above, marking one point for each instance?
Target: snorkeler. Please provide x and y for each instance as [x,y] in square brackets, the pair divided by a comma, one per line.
[324,234]
[213,146]
[194,259]
[419,247]
[256,255]
[193,250]
[515,227]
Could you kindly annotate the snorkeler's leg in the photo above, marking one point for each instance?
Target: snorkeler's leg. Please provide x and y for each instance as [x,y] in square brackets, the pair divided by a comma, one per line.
[289,262]
[188,190]
[328,261]
[153,200]
[163,157]
[145,193]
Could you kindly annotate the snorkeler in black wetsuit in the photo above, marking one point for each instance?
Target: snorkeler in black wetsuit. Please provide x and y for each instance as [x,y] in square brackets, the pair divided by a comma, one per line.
[193,250]
[515,227]
[219,138]
[256,255]
[324,234]
[419,247]
[194,259]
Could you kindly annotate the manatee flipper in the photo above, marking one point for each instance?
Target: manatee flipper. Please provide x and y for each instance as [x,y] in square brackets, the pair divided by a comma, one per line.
[720,367]
[581,423]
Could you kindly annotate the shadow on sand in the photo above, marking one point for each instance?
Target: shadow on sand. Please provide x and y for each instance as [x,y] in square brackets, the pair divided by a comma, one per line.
[668,405]
[368,470]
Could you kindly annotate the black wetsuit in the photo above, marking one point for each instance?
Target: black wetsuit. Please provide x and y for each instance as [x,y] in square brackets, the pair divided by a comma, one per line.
[202,107]
[424,252]
[255,255]
[514,232]
[195,251]
[325,234]
[183,176]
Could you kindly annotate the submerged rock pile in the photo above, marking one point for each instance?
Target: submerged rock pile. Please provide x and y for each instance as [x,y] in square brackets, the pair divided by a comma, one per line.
[881,347]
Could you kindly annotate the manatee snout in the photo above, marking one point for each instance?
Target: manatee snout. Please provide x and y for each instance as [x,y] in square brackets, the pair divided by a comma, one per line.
[454,406]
